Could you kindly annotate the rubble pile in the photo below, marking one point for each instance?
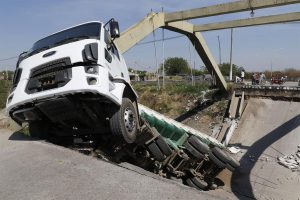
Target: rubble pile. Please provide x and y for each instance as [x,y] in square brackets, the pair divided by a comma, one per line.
[291,161]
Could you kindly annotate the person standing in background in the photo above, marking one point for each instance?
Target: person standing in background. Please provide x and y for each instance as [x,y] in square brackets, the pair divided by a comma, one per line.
[242,75]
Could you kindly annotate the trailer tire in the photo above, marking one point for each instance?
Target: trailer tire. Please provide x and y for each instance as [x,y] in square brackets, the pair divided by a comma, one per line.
[190,183]
[200,183]
[219,153]
[37,129]
[156,152]
[164,147]
[197,183]
[232,161]
[229,167]
[199,145]
[194,152]
[220,164]
[124,121]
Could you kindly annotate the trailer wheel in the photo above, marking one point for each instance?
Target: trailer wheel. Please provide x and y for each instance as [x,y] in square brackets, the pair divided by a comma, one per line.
[37,129]
[229,167]
[199,145]
[124,121]
[194,152]
[219,153]
[164,147]
[216,161]
[197,183]
[232,161]
[190,183]
[156,152]
[200,183]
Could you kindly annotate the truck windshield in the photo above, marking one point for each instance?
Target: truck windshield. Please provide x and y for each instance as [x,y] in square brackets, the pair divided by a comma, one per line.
[85,31]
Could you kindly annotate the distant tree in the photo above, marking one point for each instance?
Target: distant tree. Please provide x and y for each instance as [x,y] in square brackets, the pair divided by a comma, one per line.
[225,69]
[197,72]
[175,66]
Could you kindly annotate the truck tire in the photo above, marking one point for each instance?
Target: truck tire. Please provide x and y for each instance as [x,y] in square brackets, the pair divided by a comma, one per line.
[199,145]
[156,152]
[124,121]
[219,153]
[37,129]
[194,152]
[220,164]
[164,147]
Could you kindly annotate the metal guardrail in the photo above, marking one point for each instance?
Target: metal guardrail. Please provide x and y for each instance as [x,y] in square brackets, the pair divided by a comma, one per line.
[270,87]
[271,91]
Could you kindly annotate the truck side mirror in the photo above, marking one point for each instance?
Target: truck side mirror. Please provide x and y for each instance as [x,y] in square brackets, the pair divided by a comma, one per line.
[114,29]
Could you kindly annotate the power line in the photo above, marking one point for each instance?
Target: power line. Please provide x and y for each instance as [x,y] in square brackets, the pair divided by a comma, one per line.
[152,41]
[10,58]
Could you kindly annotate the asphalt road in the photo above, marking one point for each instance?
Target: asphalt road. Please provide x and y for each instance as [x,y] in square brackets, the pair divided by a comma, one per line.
[38,170]
[267,129]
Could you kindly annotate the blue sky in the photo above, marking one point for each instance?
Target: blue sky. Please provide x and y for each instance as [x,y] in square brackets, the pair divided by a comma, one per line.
[24,22]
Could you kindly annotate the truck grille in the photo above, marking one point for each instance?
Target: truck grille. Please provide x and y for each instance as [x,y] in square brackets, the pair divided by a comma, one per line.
[50,75]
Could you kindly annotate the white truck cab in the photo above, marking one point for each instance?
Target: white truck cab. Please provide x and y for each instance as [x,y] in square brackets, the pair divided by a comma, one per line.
[75,81]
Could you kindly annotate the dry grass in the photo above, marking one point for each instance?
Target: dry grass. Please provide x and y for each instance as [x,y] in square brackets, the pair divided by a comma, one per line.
[173,101]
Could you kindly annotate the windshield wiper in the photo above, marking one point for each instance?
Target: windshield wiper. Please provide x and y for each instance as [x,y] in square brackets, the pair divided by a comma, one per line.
[72,39]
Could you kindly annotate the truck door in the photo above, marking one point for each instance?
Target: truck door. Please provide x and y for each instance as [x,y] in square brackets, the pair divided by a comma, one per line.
[112,57]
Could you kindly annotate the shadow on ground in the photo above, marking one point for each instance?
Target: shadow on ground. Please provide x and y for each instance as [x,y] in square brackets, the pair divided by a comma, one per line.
[244,187]
[18,135]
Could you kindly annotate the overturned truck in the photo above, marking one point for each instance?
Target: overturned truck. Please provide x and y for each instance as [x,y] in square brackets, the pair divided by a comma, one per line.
[75,83]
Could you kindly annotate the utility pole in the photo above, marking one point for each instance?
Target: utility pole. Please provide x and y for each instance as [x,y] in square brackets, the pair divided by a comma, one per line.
[190,64]
[271,69]
[163,54]
[6,73]
[220,56]
[231,41]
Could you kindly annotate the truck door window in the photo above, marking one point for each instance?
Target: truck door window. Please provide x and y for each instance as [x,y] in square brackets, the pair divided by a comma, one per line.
[106,37]
[115,51]
[108,56]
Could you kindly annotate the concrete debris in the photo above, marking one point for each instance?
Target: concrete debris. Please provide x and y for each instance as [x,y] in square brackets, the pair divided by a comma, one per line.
[234,150]
[291,161]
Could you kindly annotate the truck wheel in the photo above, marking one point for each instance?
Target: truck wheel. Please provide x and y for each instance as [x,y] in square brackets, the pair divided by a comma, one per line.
[164,147]
[194,152]
[199,145]
[124,121]
[156,152]
[37,129]
[216,161]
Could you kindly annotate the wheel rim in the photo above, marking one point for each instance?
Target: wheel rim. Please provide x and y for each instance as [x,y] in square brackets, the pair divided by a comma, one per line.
[129,120]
